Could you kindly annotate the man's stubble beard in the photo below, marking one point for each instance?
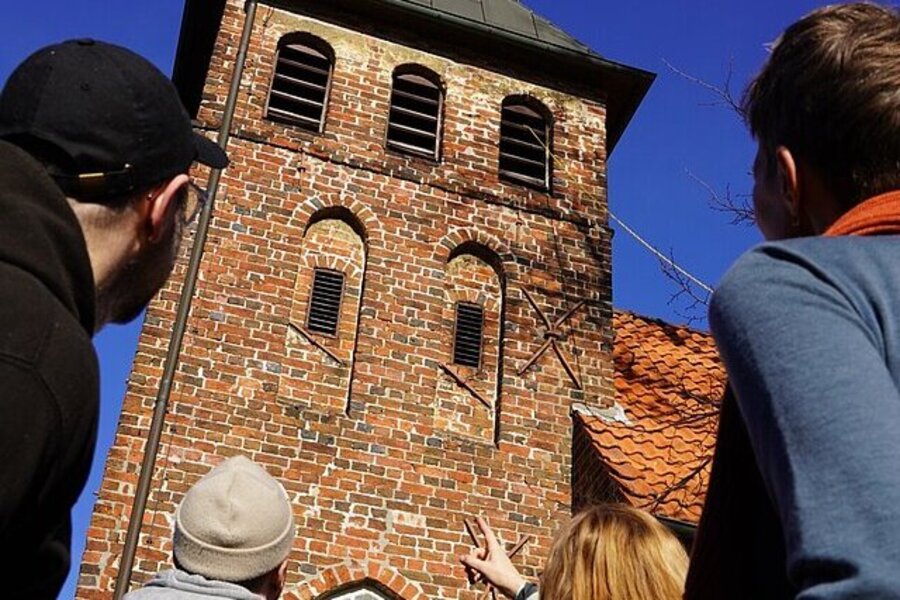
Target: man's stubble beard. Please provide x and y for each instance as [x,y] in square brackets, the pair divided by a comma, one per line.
[138,280]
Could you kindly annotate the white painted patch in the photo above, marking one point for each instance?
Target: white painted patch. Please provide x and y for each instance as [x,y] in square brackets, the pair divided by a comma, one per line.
[612,414]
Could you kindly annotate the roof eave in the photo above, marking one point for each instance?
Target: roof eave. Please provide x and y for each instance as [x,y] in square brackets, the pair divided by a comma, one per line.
[627,85]
[200,22]
[620,87]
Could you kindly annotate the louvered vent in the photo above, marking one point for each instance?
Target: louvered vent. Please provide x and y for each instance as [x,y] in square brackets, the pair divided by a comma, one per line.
[414,123]
[524,156]
[325,305]
[300,86]
[469,330]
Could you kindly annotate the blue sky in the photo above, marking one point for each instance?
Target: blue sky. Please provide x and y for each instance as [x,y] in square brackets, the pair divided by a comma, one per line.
[675,132]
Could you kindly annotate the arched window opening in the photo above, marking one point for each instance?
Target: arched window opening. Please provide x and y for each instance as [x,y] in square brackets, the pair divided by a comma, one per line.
[414,121]
[468,385]
[301,82]
[525,145]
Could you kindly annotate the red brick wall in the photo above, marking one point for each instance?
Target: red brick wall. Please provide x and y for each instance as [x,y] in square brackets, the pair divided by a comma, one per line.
[381,451]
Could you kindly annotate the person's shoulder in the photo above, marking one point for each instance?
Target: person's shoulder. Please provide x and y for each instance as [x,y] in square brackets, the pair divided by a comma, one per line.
[769,273]
[33,318]
[173,584]
[803,264]
[756,272]
[46,343]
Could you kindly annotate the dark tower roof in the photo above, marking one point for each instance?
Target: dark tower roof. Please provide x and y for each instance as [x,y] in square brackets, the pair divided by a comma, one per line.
[502,35]
[509,16]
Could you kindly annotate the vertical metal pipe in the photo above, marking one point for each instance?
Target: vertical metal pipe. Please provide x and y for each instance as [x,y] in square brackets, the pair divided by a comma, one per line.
[126,562]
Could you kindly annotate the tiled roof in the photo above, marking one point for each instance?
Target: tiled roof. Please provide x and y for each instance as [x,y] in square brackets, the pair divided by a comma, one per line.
[659,446]
[509,16]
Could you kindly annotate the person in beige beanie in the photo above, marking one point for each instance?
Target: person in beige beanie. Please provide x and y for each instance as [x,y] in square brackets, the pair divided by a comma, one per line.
[233,533]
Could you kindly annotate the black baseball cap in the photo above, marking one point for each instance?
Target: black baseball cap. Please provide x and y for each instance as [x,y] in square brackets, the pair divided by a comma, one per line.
[113,118]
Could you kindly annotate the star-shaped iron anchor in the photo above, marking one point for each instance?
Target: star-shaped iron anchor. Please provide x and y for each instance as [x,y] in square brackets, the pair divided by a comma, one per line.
[552,338]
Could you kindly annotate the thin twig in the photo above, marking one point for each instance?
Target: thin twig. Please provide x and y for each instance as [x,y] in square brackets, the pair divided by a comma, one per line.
[737,206]
[698,300]
[723,93]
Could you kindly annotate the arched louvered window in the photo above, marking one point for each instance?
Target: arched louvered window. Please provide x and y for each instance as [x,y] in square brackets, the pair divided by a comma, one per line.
[469,331]
[414,122]
[301,82]
[325,301]
[525,143]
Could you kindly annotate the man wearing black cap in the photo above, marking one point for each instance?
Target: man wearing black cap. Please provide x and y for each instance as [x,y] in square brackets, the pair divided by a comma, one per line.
[95,149]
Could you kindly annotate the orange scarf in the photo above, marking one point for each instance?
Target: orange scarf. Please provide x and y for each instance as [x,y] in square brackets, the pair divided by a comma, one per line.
[876,216]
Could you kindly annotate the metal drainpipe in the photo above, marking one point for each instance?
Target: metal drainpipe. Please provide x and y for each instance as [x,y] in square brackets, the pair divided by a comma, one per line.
[126,562]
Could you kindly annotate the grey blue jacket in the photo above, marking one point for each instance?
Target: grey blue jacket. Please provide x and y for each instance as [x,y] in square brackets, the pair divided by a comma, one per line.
[809,330]
[178,585]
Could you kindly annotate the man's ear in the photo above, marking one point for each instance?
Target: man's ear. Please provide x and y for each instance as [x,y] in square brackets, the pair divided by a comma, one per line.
[789,180]
[278,578]
[282,573]
[161,203]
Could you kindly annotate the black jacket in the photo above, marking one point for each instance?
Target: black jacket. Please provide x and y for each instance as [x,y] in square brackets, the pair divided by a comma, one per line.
[49,380]
[738,552]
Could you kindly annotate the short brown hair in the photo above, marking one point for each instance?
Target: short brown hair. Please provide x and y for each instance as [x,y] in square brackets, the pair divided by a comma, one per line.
[830,93]
[614,552]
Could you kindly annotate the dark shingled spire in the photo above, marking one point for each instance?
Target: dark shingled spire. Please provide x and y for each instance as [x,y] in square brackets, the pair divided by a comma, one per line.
[509,16]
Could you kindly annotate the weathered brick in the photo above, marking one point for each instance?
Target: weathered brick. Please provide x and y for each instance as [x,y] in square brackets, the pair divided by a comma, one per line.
[382,451]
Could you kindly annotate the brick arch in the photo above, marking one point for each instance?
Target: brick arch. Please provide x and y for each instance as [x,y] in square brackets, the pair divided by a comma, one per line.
[344,576]
[457,238]
[497,255]
[364,224]
[307,39]
[469,296]
[531,101]
[423,71]
[335,263]
[365,221]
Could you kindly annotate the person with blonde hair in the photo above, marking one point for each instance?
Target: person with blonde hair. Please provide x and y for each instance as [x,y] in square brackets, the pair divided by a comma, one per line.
[607,552]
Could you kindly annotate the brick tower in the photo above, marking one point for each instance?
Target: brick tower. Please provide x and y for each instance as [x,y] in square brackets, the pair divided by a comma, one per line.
[405,290]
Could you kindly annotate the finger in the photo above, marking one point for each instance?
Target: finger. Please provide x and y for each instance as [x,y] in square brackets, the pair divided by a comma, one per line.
[473,563]
[479,553]
[471,574]
[489,538]
[478,568]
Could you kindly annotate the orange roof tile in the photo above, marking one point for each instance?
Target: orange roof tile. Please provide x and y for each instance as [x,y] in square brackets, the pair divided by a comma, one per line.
[669,381]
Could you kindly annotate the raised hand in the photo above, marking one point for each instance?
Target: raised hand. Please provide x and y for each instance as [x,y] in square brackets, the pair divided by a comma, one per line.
[492,564]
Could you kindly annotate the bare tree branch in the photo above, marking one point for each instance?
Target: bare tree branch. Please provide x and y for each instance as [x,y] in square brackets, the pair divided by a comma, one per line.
[682,404]
[723,94]
[695,297]
[681,483]
[737,206]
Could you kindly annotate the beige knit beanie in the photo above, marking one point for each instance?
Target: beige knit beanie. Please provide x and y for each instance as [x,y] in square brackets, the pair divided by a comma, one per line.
[234,524]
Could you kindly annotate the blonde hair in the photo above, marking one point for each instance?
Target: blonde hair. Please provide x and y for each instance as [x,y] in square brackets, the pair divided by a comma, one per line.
[614,552]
